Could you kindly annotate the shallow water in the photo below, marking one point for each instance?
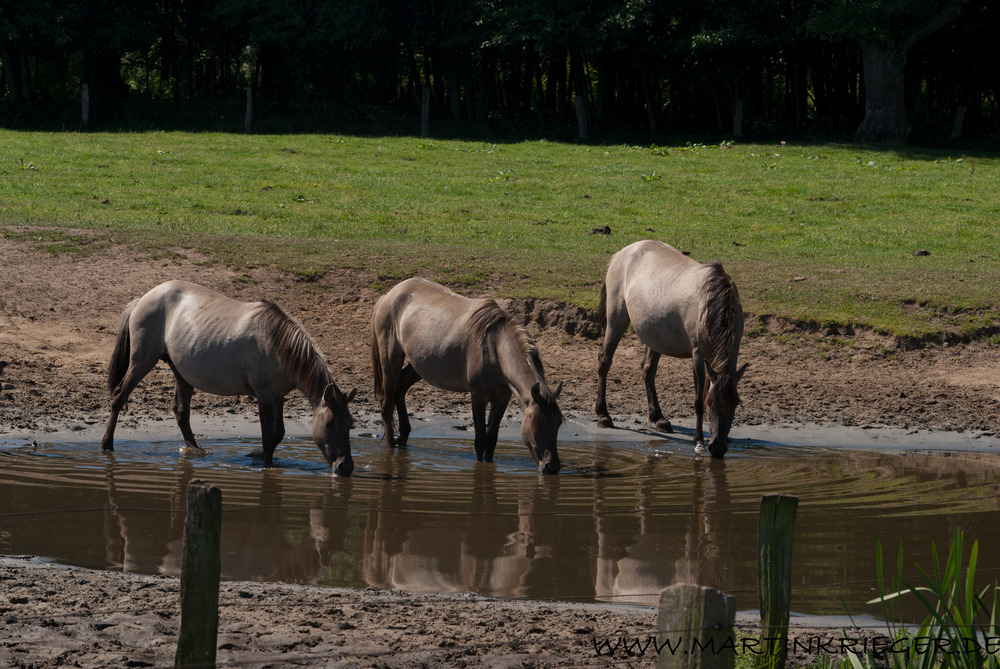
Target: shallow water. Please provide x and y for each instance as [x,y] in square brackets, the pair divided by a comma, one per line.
[619,523]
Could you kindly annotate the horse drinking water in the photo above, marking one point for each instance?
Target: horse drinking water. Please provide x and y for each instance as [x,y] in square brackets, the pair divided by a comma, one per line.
[225,347]
[422,330]
[683,309]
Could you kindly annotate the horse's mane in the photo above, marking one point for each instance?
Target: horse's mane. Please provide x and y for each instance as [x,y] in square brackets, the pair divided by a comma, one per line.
[719,323]
[719,316]
[489,315]
[295,349]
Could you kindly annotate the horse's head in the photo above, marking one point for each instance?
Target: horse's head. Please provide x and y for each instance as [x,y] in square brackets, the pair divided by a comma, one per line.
[721,401]
[332,423]
[540,427]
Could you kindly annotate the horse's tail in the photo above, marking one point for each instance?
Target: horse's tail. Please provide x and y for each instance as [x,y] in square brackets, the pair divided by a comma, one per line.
[376,365]
[122,351]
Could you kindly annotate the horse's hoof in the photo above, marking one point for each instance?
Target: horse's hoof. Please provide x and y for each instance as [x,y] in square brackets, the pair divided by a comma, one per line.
[699,447]
[663,425]
[605,421]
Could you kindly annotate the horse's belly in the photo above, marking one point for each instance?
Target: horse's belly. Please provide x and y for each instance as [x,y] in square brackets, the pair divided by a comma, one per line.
[442,372]
[665,337]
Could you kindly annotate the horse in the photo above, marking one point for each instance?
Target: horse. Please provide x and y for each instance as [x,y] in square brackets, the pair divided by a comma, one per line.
[225,347]
[681,308]
[422,330]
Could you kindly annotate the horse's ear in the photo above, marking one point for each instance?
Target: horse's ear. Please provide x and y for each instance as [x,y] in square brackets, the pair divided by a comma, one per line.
[555,395]
[350,395]
[741,370]
[332,395]
[712,374]
[536,393]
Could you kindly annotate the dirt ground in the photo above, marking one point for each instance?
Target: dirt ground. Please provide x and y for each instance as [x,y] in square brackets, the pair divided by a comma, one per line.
[58,315]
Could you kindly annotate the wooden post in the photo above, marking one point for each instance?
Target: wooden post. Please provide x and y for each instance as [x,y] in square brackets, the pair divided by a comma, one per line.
[956,128]
[774,573]
[581,117]
[738,118]
[248,119]
[200,570]
[425,112]
[84,105]
[695,628]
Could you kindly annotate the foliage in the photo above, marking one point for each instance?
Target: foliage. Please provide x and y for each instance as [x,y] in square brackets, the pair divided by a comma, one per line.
[635,65]
[960,628]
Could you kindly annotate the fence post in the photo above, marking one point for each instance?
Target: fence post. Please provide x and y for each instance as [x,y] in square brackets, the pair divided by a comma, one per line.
[425,112]
[774,572]
[84,106]
[200,570]
[248,117]
[695,628]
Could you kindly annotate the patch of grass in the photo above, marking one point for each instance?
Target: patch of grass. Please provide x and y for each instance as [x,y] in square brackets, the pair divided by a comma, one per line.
[816,234]
[960,627]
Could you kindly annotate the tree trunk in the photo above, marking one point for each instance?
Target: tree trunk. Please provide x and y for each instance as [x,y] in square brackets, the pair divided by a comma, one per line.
[884,65]
[885,102]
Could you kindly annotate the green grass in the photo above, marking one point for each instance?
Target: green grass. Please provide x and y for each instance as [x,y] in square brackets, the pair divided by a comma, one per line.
[815,234]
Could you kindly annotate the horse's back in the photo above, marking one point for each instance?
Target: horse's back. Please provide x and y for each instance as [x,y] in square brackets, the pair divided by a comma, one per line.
[211,339]
[429,325]
[660,290]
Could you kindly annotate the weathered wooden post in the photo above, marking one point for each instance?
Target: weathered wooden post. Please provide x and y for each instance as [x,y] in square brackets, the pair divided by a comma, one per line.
[248,117]
[201,566]
[84,106]
[774,573]
[425,112]
[695,628]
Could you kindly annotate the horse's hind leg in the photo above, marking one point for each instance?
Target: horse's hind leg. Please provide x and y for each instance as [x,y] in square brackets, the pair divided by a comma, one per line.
[613,331]
[407,378]
[137,370]
[182,407]
[650,362]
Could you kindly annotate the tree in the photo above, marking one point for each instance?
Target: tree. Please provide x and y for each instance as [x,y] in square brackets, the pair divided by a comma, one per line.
[885,32]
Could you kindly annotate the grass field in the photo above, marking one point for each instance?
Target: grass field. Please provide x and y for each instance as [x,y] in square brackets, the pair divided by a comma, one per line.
[822,234]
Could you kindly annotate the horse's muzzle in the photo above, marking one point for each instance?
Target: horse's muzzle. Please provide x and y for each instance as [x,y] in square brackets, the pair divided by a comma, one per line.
[550,466]
[718,448]
[343,466]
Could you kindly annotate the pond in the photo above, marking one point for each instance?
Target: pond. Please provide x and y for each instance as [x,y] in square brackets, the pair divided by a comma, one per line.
[622,520]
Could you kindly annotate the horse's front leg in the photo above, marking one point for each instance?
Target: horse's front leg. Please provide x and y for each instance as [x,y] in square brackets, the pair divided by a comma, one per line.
[650,362]
[497,409]
[479,402]
[272,426]
[700,387]
[182,408]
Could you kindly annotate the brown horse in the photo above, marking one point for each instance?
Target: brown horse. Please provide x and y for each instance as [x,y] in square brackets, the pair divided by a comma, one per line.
[683,309]
[464,345]
[225,347]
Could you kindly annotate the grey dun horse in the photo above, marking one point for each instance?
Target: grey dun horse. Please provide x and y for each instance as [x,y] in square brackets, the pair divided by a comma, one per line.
[422,330]
[681,308]
[221,346]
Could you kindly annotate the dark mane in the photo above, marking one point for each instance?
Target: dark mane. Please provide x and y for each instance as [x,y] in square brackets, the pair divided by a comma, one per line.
[295,349]
[489,315]
[719,323]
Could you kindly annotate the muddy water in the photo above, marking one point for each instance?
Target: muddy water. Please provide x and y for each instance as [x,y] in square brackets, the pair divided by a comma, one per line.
[618,524]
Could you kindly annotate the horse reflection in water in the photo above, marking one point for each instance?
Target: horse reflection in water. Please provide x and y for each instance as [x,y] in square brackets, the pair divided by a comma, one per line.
[497,554]
[635,572]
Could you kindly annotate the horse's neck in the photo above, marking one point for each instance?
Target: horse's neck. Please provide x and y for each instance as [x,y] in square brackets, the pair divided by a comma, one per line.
[520,375]
[313,388]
